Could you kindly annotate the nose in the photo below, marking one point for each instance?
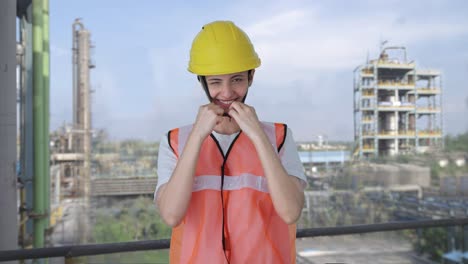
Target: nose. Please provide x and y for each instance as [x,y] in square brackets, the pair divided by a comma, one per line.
[226,91]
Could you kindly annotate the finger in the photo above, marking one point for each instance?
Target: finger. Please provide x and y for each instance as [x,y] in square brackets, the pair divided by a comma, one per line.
[234,114]
[216,108]
[238,106]
[219,119]
[232,109]
[219,111]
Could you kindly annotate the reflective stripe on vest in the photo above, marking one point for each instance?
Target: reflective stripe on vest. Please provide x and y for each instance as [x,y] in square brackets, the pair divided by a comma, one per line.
[253,231]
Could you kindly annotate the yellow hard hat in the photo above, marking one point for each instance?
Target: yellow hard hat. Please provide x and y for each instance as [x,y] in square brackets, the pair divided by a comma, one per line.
[222,48]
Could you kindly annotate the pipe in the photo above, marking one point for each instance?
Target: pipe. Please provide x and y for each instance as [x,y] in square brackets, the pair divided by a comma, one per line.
[395,47]
[29,121]
[27,144]
[22,174]
[8,181]
[82,126]
[57,185]
[39,210]
[77,25]
[46,79]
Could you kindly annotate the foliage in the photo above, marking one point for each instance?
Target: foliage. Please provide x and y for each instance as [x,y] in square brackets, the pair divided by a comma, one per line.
[458,143]
[432,242]
[137,148]
[129,158]
[342,209]
[403,159]
[435,172]
[131,221]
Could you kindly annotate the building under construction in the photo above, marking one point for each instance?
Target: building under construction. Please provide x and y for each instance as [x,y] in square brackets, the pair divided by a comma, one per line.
[397,107]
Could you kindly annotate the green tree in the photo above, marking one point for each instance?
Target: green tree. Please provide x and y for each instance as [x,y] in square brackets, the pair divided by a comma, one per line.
[432,242]
[131,221]
[457,143]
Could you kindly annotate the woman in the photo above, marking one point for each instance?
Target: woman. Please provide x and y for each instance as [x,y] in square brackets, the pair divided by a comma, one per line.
[230,185]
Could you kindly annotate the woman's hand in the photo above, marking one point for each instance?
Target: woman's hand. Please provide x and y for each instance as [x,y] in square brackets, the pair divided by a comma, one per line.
[246,118]
[208,117]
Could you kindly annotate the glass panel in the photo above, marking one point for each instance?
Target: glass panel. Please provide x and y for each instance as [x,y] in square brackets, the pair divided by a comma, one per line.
[380,126]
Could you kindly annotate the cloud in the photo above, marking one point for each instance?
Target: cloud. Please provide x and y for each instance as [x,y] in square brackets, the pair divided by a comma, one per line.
[308,53]
[308,58]
[280,23]
[299,39]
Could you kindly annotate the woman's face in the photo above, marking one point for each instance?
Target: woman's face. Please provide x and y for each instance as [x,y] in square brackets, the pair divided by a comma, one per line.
[227,88]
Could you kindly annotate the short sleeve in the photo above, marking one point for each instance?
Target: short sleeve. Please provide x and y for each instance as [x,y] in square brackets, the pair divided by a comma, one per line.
[167,161]
[290,158]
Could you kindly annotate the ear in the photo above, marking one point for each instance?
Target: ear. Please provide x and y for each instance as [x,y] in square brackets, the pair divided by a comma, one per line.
[251,76]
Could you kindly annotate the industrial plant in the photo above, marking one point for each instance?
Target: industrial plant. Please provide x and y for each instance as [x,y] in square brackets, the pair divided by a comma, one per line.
[397,106]
[71,144]
[76,194]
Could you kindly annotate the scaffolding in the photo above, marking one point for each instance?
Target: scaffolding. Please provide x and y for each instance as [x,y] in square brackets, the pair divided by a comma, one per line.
[397,107]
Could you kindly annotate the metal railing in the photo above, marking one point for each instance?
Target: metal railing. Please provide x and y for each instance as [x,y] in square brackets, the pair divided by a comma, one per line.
[99,249]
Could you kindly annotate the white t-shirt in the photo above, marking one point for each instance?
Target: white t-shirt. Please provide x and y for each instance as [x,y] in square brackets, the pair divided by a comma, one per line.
[288,154]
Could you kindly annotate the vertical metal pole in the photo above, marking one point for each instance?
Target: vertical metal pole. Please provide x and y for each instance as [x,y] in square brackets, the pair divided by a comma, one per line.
[84,77]
[355,113]
[8,199]
[46,79]
[416,97]
[441,113]
[82,38]
[465,242]
[418,242]
[376,111]
[75,74]
[27,144]
[29,122]
[39,144]
[326,153]
[21,174]
[451,239]
[57,184]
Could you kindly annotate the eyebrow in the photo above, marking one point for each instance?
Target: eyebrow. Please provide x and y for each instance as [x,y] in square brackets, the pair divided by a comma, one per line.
[213,79]
[237,75]
[219,79]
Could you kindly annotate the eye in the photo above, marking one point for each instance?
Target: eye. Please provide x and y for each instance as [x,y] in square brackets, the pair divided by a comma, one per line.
[214,83]
[239,79]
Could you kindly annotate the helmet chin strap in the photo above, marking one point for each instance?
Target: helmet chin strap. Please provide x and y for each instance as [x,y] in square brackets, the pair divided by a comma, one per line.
[202,80]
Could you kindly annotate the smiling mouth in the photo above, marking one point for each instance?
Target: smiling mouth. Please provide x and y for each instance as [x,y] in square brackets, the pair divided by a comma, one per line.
[225,102]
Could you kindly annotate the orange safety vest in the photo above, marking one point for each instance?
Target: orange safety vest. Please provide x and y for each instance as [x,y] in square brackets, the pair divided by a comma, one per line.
[244,212]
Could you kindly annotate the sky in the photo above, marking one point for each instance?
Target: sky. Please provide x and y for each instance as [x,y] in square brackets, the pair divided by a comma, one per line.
[309,49]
